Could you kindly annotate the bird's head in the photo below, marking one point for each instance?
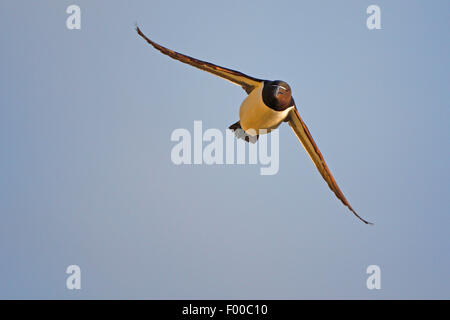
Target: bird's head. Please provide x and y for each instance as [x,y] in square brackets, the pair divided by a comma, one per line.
[277,95]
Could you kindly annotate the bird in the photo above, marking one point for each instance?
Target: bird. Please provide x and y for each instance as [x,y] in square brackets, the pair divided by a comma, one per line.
[268,104]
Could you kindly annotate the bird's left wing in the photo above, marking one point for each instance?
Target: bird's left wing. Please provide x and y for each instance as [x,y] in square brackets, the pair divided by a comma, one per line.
[302,133]
[245,81]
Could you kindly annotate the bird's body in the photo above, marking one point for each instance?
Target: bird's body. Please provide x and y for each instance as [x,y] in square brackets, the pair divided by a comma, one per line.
[255,115]
[268,104]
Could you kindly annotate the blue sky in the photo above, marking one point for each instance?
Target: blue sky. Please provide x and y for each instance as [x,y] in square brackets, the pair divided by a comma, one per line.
[86,177]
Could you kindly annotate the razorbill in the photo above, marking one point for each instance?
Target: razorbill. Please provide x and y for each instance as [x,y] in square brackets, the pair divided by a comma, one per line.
[268,104]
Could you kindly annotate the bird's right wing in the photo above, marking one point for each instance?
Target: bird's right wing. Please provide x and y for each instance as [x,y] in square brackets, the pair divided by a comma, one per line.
[245,81]
[302,133]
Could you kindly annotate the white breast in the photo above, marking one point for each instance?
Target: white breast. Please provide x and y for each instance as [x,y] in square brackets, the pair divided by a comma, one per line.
[254,114]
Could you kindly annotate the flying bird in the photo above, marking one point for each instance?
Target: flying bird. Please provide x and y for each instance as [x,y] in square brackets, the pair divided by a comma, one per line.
[268,104]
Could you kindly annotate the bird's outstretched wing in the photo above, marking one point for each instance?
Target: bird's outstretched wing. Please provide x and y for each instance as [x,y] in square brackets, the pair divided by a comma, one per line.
[302,132]
[245,81]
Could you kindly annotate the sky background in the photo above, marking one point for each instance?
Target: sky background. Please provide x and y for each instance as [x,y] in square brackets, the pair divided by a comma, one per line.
[86,176]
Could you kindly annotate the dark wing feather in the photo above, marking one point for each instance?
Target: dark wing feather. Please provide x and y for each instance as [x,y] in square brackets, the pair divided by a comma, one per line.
[302,132]
[245,81]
